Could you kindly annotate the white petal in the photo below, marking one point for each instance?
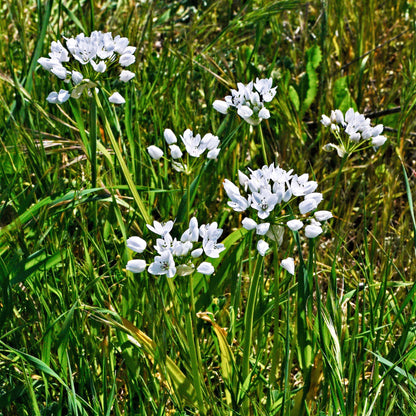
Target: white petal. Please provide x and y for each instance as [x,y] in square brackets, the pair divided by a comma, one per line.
[136,266]
[295,225]
[136,244]
[262,228]
[175,151]
[169,136]
[289,265]
[323,215]
[221,106]
[126,76]
[205,268]
[262,247]
[249,224]
[116,98]
[312,231]
[155,152]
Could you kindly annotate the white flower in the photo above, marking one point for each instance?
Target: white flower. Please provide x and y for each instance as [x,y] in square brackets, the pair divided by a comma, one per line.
[238,203]
[307,205]
[175,151]
[249,224]
[323,215]
[163,264]
[197,253]
[77,77]
[127,59]
[136,244]
[161,229]
[213,154]
[192,233]
[262,247]
[221,106]
[312,230]
[126,76]
[262,228]
[289,265]
[325,120]
[212,248]
[295,225]
[100,67]
[169,136]
[58,97]
[378,141]
[264,202]
[155,152]
[193,144]
[136,266]
[205,268]
[116,98]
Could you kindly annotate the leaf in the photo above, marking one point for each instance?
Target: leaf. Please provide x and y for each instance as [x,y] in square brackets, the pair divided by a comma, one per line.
[310,80]
[342,97]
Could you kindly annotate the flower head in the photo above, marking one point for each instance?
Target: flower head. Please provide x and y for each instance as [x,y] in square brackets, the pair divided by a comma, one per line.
[249,100]
[85,61]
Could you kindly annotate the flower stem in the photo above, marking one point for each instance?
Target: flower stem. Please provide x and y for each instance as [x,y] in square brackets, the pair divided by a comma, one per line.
[121,161]
[263,146]
[248,326]
[337,179]
[194,347]
[93,151]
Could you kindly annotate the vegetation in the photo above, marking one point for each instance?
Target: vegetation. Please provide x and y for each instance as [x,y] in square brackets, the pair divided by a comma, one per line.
[81,335]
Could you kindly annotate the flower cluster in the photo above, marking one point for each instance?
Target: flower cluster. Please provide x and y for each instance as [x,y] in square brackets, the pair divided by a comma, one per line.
[249,102]
[186,251]
[357,128]
[195,145]
[84,60]
[272,187]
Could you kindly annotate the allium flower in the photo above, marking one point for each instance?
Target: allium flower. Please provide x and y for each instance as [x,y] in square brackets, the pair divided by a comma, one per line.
[249,100]
[356,127]
[136,244]
[163,264]
[136,266]
[169,250]
[262,247]
[155,152]
[205,268]
[269,190]
[289,265]
[86,61]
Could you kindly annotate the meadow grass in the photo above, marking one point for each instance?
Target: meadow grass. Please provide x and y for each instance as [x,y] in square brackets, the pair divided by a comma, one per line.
[80,335]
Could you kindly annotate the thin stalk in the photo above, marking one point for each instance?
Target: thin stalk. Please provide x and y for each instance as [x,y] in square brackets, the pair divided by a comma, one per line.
[121,161]
[263,146]
[93,151]
[195,367]
[248,322]
[337,179]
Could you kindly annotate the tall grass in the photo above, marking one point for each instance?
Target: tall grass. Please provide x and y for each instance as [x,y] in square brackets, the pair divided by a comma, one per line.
[82,336]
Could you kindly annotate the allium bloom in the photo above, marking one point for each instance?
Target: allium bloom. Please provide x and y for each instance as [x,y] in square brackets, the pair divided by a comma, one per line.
[136,266]
[170,250]
[289,265]
[85,61]
[136,244]
[262,247]
[249,100]
[155,152]
[269,190]
[355,126]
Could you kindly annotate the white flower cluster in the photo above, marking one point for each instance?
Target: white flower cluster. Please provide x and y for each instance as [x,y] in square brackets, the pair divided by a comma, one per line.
[271,187]
[249,102]
[194,145]
[355,125]
[169,250]
[84,60]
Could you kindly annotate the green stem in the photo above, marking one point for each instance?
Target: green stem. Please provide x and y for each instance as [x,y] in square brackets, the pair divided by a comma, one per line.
[93,152]
[263,146]
[248,324]
[121,161]
[194,353]
[337,179]
[93,141]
